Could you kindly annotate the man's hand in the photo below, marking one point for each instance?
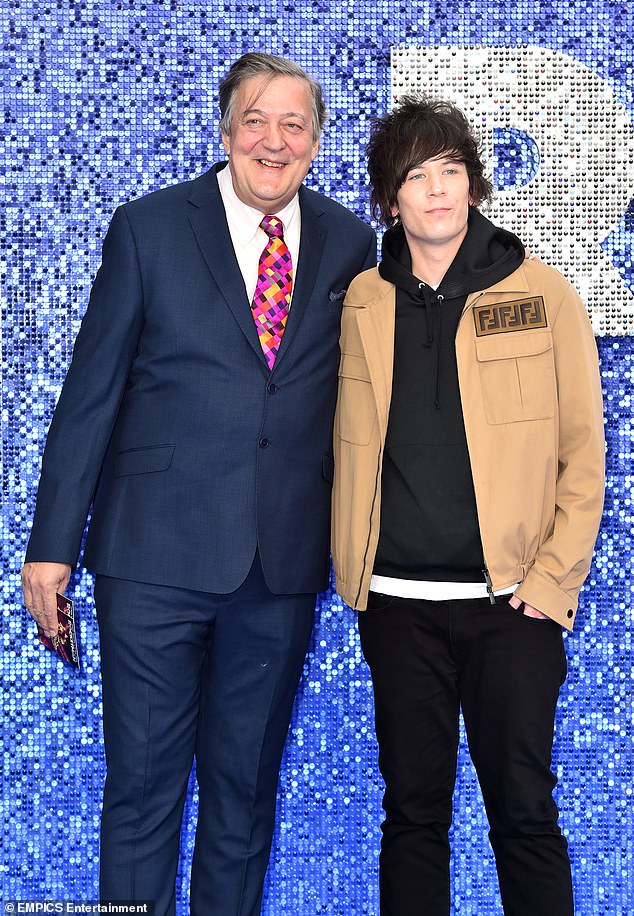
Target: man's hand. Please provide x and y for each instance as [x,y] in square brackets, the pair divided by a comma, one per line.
[40,582]
[529,610]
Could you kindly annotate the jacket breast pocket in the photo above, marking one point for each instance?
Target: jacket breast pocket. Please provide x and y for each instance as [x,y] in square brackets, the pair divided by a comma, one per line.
[147,460]
[517,375]
[357,408]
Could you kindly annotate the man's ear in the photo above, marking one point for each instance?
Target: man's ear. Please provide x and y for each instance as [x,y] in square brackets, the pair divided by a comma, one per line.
[226,142]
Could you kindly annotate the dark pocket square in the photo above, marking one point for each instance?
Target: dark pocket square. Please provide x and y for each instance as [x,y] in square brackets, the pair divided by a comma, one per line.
[335,294]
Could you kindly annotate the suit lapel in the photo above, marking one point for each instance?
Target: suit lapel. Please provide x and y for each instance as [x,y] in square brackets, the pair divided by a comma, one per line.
[311,246]
[209,223]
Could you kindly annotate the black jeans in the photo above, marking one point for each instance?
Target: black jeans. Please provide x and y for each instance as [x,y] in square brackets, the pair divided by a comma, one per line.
[428,659]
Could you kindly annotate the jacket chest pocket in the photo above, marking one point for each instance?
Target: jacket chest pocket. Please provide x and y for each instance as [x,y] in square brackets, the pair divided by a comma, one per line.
[517,375]
[356,409]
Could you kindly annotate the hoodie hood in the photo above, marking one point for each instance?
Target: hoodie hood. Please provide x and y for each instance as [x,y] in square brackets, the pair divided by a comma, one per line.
[487,255]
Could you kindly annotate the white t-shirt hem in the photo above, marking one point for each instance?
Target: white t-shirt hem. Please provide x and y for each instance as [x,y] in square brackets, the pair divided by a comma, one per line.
[433,591]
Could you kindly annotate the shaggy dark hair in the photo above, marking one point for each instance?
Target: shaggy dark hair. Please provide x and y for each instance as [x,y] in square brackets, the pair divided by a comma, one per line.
[419,129]
[259,64]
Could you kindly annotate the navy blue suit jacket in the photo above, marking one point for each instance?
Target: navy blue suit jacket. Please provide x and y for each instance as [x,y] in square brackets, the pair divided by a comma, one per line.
[169,421]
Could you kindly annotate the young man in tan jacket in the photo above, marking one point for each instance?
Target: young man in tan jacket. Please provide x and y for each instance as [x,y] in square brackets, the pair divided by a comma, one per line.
[468,493]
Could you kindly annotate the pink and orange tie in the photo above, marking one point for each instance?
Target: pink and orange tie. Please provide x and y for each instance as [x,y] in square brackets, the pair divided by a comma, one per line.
[273,290]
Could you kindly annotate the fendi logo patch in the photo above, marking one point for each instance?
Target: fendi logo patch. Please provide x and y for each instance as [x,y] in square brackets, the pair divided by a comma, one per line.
[518,315]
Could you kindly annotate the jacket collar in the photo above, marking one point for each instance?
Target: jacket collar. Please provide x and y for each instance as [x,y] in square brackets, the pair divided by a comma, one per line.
[311,246]
[514,283]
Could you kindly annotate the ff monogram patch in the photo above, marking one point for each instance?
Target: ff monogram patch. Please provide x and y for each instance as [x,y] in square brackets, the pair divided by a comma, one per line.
[518,315]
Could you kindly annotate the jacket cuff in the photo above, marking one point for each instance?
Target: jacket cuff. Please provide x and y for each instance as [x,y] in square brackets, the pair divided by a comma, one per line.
[549,598]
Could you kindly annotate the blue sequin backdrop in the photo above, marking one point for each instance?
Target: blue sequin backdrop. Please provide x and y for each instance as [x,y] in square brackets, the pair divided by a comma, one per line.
[104,101]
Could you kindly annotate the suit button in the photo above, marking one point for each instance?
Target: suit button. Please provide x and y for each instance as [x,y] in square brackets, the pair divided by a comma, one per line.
[272,388]
[264,443]
[570,612]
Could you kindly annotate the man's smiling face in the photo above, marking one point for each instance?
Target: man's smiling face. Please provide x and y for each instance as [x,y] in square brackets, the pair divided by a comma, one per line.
[270,145]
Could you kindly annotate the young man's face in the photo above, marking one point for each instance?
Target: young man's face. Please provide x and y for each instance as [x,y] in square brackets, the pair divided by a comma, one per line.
[270,146]
[433,203]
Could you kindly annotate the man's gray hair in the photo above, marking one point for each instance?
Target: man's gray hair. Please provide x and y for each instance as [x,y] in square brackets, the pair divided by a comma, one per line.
[258,64]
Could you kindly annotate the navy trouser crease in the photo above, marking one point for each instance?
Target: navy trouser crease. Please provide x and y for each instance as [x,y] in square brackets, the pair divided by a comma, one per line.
[187,674]
[428,660]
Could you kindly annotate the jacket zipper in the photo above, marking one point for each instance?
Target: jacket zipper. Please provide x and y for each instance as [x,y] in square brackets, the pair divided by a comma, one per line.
[485,571]
[367,544]
[487,579]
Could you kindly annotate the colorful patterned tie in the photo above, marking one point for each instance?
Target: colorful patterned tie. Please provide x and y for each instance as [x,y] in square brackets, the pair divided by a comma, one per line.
[273,291]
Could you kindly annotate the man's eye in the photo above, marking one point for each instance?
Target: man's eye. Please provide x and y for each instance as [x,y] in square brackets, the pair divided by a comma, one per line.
[291,125]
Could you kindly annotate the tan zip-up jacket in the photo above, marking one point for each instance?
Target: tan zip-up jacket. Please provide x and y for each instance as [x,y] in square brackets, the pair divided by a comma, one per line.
[531,401]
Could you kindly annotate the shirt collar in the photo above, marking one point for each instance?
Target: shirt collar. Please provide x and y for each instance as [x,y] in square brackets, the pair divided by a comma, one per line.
[244,220]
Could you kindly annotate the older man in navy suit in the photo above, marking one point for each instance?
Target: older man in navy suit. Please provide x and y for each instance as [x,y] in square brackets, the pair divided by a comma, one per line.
[196,418]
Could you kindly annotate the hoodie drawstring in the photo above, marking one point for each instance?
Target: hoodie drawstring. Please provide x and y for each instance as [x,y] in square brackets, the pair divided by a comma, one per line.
[439,300]
[433,331]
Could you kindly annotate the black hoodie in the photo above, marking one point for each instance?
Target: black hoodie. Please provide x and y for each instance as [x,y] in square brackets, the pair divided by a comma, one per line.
[429,524]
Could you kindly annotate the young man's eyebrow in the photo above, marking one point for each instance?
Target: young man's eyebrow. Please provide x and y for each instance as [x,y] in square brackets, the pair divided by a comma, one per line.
[445,160]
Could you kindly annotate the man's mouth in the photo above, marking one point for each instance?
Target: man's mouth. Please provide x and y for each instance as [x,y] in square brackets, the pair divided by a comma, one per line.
[271,165]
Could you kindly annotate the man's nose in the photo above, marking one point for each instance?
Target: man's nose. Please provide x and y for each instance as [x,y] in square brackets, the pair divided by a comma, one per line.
[273,136]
